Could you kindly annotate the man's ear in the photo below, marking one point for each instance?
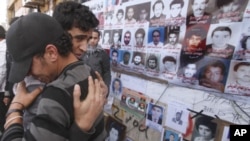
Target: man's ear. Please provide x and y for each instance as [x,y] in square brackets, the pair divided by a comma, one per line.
[51,52]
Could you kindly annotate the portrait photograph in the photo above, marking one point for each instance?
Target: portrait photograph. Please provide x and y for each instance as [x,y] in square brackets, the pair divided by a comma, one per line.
[229,11]
[138,61]
[158,13]
[177,116]
[170,136]
[115,129]
[172,39]
[204,129]
[143,12]
[140,39]
[152,64]
[222,40]
[213,74]
[127,41]
[155,39]
[199,12]
[177,12]
[169,64]
[238,81]
[126,60]
[119,16]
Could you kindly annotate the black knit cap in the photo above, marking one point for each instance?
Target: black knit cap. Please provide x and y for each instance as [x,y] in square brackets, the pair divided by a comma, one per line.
[28,36]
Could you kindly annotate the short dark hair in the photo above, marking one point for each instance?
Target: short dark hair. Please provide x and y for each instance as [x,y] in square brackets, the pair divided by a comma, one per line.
[156,106]
[176,2]
[216,64]
[140,30]
[206,121]
[192,1]
[236,67]
[197,31]
[221,3]
[127,32]
[72,14]
[126,53]
[168,58]
[116,80]
[156,30]
[222,28]
[153,57]
[109,14]
[120,11]
[113,51]
[97,31]
[158,1]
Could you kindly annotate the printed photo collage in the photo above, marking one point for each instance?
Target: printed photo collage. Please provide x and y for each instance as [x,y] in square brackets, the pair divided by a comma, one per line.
[199,44]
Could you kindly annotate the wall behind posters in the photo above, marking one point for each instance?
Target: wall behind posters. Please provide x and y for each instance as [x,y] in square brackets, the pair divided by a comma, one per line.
[187,58]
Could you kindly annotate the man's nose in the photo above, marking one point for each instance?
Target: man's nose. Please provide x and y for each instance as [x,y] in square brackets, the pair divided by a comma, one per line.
[84,45]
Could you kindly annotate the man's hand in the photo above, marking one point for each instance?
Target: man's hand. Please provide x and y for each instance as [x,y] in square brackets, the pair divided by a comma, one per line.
[23,96]
[103,85]
[87,111]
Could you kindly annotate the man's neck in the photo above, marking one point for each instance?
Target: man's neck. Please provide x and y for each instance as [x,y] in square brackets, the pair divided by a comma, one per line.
[65,61]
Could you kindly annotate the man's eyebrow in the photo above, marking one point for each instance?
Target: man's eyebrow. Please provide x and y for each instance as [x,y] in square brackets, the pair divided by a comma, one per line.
[80,36]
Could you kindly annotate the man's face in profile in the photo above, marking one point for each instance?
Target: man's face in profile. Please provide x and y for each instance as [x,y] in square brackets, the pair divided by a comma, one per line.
[152,64]
[172,38]
[156,37]
[143,15]
[199,7]
[220,38]
[130,13]
[139,39]
[190,70]
[175,10]
[127,38]
[137,60]
[214,74]
[158,10]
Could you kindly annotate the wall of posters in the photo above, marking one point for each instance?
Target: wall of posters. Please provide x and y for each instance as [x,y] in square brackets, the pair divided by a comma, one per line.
[201,48]
[170,40]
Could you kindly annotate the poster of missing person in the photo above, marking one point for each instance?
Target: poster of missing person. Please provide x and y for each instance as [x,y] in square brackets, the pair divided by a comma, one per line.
[173,41]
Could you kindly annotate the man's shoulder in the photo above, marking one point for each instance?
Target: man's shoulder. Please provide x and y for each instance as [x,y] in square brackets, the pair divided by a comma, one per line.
[72,74]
